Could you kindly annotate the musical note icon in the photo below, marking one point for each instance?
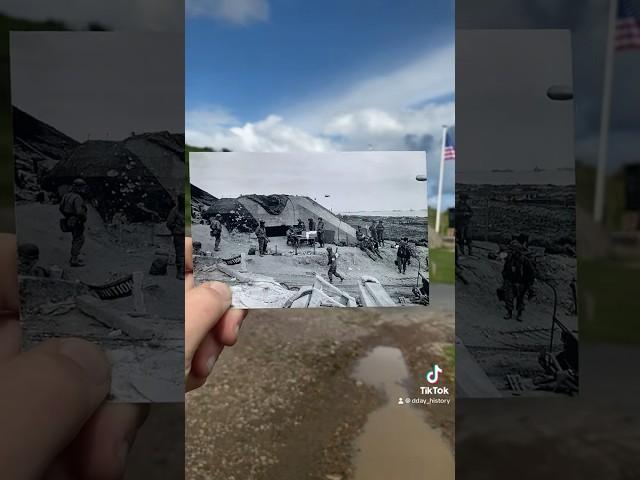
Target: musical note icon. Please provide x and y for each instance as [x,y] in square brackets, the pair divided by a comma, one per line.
[433,375]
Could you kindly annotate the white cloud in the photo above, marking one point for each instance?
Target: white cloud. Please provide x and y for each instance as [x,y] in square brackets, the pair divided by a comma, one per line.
[427,77]
[238,12]
[215,128]
[398,110]
[388,129]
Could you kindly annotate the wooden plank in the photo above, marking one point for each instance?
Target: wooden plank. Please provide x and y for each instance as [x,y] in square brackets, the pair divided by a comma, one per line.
[471,381]
[114,319]
[377,291]
[138,294]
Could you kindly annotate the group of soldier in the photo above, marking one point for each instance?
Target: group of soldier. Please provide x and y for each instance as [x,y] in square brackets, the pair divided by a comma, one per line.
[74,211]
[295,232]
[215,231]
[518,271]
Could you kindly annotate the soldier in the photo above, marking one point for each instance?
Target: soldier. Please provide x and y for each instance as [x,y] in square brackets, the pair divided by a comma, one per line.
[291,238]
[403,255]
[311,225]
[28,256]
[373,231]
[74,209]
[261,233]
[380,232]
[333,265]
[216,230]
[320,230]
[360,236]
[175,223]
[464,213]
[301,225]
[517,277]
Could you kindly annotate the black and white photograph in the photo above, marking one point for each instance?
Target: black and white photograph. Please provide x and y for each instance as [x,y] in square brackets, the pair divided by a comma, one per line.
[99,200]
[515,218]
[303,230]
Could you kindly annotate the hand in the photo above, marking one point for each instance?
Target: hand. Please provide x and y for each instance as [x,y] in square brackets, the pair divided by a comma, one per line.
[54,421]
[210,324]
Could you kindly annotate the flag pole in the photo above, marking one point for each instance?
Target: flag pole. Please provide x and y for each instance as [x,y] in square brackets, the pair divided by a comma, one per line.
[605,116]
[440,180]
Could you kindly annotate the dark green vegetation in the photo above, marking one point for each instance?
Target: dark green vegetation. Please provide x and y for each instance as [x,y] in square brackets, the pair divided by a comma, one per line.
[442,267]
[608,301]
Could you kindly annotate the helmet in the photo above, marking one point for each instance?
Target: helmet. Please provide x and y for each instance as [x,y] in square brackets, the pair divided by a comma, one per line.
[79,182]
[29,251]
[218,215]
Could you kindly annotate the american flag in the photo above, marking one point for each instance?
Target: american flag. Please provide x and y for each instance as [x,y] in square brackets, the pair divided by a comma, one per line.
[627,26]
[449,148]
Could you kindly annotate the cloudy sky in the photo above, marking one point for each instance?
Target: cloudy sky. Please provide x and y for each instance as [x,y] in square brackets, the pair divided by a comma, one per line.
[278,75]
[100,85]
[588,27]
[506,120]
[354,181]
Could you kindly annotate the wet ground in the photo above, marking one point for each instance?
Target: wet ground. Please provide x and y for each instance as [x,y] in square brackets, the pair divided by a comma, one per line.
[395,442]
[299,397]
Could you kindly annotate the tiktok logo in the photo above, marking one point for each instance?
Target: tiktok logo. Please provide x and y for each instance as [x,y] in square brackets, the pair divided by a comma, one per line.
[433,375]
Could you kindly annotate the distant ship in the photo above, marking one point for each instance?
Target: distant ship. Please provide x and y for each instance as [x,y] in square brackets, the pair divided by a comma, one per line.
[501,170]
[537,169]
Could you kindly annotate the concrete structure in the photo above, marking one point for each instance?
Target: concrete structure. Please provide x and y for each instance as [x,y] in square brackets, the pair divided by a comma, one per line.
[304,208]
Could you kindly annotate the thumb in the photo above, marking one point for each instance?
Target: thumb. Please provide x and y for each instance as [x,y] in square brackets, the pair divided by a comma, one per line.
[204,306]
[49,393]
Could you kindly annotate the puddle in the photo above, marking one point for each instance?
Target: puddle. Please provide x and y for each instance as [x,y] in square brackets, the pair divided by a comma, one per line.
[396,442]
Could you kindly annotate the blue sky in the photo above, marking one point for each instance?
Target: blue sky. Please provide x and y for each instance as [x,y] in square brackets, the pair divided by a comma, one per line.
[290,75]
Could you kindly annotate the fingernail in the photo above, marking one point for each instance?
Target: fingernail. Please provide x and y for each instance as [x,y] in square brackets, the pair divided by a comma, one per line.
[239,325]
[88,357]
[211,362]
[221,288]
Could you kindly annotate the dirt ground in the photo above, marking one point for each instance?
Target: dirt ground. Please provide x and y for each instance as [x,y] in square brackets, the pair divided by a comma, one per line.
[502,346]
[141,369]
[545,212]
[282,403]
[294,271]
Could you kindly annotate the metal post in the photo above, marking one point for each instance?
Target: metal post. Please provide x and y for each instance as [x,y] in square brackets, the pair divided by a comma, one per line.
[601,173]
[441,179]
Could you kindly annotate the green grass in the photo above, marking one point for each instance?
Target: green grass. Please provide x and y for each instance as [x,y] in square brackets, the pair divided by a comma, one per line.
[609,301]
[444,220]
[442,268]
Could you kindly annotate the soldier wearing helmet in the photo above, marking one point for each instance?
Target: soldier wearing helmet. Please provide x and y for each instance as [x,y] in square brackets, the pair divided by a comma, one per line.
[333,265]
[74,210]
[215,227]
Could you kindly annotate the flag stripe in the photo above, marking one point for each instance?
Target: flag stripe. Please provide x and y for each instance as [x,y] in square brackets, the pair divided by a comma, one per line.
[449,151]
[627,35]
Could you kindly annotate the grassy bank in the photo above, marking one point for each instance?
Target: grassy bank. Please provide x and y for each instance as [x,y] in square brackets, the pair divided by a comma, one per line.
[608,309]
[442,268]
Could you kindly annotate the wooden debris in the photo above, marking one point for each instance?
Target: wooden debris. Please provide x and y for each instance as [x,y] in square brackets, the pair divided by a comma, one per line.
[114,319]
